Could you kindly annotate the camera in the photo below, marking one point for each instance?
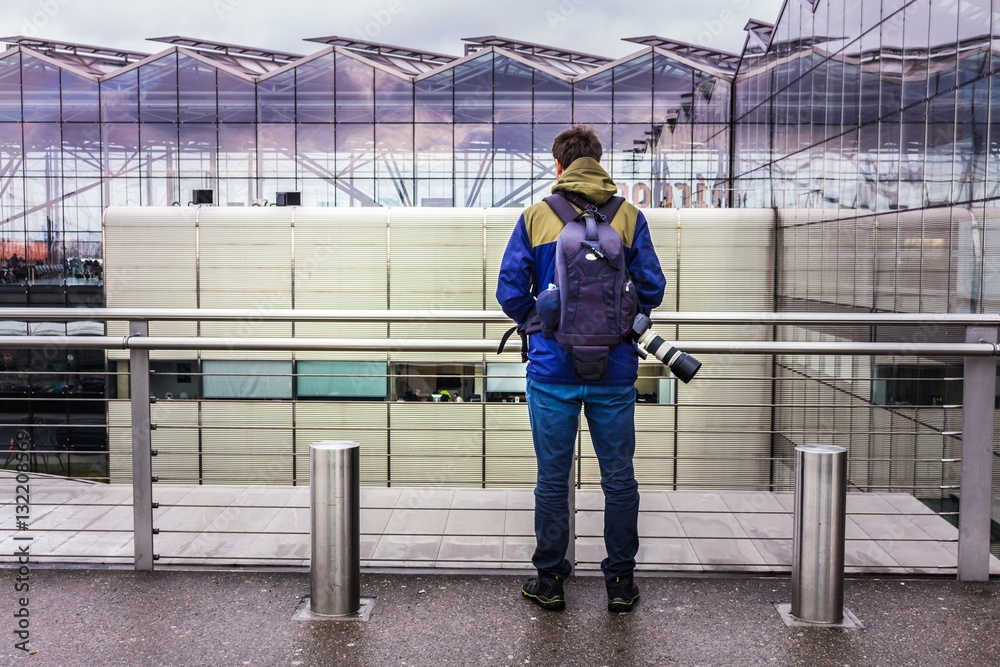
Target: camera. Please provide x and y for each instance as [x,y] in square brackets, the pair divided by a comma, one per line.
[683,365]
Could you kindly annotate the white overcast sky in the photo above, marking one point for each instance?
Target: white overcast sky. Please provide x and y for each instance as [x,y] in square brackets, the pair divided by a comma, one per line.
[591,26]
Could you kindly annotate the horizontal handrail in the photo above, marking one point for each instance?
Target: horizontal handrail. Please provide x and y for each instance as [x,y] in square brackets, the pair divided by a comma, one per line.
[479,316]
[477,345]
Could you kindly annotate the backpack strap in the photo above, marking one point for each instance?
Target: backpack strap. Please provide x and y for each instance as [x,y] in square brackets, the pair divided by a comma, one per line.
[560,203]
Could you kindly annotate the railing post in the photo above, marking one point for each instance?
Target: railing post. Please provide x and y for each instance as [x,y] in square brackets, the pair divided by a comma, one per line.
[335,499]
[142,464]
[818,534]
[976,495]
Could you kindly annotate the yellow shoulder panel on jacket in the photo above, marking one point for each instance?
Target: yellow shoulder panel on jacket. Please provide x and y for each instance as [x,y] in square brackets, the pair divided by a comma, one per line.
[544,226]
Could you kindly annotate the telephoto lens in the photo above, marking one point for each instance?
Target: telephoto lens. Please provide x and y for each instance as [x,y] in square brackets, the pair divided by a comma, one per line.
[683,365]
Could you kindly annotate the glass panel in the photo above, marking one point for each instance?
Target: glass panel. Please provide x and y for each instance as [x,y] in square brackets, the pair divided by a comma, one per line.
[342,379]
[40,83]
[355,91]
[276,97]
[158,91]
[633,93]
[473,155]
[434,98]
[80,99]
[672,83]
[10,89]
[474,90]
[393,98]
[317,153]
[592,99]
[434,150]
[237,155]
[237,99]
[158,163]
[315,90]
[512,166]
[512,90]
[553,99]
[276,152]
[355,150]
[197,94]
[394,144]
[120,98]
[81,150]
[198,158]
[247,379]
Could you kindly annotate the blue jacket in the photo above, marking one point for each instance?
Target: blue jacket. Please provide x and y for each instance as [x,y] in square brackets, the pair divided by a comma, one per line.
[529,265]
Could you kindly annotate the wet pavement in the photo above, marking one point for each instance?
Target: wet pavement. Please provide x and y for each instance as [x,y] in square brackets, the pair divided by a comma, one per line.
[242,617]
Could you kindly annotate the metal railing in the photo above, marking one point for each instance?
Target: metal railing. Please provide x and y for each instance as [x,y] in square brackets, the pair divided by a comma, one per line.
[979,351]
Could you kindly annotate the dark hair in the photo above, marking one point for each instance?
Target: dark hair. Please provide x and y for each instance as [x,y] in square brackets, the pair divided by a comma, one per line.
[576,142]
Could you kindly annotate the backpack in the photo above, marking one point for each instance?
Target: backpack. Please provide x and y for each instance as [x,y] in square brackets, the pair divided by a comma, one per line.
[590,307]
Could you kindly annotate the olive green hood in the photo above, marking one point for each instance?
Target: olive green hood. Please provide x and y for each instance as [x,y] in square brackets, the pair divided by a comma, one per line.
[586,177]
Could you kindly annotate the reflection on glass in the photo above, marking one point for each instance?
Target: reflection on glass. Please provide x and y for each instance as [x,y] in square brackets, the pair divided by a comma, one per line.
[158,90]
[355,90]
[474,90]
[276,97]
[40,88]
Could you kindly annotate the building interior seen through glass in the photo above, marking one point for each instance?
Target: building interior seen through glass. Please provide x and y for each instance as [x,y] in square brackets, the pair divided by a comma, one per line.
[852,142]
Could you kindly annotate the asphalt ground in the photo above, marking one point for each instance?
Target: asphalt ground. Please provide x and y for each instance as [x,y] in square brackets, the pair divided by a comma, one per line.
[90,617]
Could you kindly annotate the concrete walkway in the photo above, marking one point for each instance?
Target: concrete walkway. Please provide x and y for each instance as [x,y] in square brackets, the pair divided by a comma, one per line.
[81,618]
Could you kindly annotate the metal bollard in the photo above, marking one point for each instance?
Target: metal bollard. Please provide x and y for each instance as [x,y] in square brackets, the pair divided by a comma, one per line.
[335,499]
[818,537]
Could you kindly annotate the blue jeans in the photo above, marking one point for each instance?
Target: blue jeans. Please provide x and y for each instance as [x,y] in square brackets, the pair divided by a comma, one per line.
[554,412]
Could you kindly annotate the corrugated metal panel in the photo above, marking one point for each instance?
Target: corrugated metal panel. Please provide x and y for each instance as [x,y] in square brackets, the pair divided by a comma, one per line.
[364,423]
[510,454]
[436,444]
[499,224]
[436,263]
[120,441]
[247,441]
[176,440]
[150,263]
[341,264]
[245,262]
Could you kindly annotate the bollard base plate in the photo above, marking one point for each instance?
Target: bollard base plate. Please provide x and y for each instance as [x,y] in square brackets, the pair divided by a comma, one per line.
[304,613]
[850,622]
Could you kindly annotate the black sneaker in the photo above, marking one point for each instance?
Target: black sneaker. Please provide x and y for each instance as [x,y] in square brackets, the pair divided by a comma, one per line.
[622,594]
[546,591]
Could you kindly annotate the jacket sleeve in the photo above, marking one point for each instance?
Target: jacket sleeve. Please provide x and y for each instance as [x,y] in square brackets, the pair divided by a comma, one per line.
[516,275]
[644,267]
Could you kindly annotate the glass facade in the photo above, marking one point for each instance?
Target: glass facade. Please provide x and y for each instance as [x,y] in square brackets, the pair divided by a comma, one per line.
[866,126]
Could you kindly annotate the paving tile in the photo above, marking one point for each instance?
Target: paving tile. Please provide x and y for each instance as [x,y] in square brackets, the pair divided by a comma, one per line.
[209,495]
[520,523]
[189,519]
[295,520]
[517,551]
[655,501]
[480,499]
[407,548]
[301,497]
[786,500]
[379,497]
[710,525]
[414,521]
[107,494]
[767,525]
[590,550]
[120,517]
[76,517]
[264,496]
[520,499]
[279,546]
[425,498]
[904,503]
[169,544]
[589,523]
[96,544]
[881,527]
[868,503]
[866,555]
[659,524]
[935,525]
[666,553]
[919,554]
[475,522]
[697,501]
[589,499]
[170,494]
[373,520]
[471,548]
[218,547]
[242,520]
[751,501]
[721,554]
[776,553]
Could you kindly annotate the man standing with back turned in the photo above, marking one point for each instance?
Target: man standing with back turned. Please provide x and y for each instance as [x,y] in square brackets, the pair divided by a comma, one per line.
[555,392]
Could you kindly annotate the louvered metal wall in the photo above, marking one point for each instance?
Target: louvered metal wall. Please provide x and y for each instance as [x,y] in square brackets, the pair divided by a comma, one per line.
[718,435]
